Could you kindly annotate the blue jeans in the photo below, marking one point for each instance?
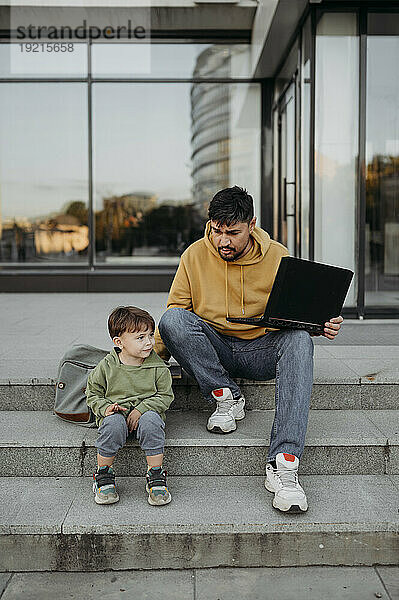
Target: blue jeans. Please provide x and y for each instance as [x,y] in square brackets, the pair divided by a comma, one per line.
[214,359]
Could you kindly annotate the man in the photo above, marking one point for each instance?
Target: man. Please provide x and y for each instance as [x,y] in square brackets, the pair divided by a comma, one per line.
[230,272]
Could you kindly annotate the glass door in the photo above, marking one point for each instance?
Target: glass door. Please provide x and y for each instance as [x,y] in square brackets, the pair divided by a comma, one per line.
[382,162]
[287,169]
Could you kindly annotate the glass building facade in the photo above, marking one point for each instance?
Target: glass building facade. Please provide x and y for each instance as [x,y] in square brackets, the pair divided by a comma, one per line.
[119,172]
[110,152]
[336,132]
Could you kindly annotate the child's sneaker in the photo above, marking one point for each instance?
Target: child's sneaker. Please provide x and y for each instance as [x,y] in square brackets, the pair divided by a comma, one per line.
[156,487]
[104,486]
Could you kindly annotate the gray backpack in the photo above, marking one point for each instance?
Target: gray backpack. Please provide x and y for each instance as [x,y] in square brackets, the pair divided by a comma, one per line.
[70,391]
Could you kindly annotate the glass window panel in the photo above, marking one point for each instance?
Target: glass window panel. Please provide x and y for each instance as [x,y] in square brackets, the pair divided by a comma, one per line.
[156,167]
[287,71]
[181,61]
[290,160]
[276,175]
[336,141]
[43,173]
[245,139]
[63,60]
[382,168]
[305,136]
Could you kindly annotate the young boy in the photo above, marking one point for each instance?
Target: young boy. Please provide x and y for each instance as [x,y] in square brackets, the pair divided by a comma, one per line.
[129,392]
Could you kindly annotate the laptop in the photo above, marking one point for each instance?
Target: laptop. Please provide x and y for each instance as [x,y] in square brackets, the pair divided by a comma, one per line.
[305,294]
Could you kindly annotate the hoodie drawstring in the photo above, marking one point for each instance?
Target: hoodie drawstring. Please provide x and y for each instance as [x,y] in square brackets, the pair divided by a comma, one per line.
[227,289]
[242,290]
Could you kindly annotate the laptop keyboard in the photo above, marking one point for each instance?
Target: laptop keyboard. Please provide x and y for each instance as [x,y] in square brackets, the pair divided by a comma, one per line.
[278,323]
[295,324]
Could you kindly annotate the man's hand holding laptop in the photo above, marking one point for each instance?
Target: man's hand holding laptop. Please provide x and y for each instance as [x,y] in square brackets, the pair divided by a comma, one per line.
[332,327]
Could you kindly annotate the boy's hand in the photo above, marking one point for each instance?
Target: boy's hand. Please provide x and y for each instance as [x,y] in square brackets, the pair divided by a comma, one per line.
[113,408]
[133,419]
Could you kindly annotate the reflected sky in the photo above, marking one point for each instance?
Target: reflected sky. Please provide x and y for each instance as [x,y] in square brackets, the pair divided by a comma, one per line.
[125,60]
[142,139]
[141,142]
[383,86]
[155,60]
[43,147]
[141,132]
[382,96]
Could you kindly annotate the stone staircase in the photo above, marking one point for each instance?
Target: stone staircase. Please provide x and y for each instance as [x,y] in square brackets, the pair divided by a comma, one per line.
[220,514]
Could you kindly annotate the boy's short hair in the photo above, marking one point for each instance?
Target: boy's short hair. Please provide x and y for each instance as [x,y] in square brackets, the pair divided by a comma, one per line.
[231,205]
[129,319]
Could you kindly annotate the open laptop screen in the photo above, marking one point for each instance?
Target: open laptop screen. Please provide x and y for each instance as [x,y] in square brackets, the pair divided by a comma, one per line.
[307,291]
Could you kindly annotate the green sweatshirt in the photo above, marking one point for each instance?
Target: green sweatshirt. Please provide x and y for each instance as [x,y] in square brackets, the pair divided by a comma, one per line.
[147,387]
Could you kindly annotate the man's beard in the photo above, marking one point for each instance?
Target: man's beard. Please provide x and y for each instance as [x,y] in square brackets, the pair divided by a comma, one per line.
[232,257]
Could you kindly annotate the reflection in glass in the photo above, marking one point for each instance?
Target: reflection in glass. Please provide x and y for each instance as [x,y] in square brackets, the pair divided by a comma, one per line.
[287,71]
[285,194]
[305,136]
[43,173]
[336,141]
[180,61]
[142,172]
[286,170]
[160,155]
[382,169]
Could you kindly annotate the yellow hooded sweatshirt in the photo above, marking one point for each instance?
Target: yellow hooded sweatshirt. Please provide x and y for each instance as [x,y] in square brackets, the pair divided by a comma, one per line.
[214,288]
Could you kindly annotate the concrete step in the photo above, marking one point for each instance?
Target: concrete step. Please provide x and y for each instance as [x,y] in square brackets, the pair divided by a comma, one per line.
[364,393]
[36,443]
[54,525]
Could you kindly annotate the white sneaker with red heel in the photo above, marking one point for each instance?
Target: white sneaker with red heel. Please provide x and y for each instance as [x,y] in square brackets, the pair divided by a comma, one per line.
[283,481]
[228,411]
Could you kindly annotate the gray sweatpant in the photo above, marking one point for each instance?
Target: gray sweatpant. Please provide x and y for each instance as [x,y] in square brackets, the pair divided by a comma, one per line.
[113,433]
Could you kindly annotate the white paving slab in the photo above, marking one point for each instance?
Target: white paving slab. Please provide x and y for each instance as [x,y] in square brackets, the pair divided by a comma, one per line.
[338,427]
[237,504]
[387,423]
[40,429]
[4,579]
[377,370]
[301,583]
[15,370]
[142,585]
[362,352]
[390,578]
[36,505]
[333,370]
[343,427]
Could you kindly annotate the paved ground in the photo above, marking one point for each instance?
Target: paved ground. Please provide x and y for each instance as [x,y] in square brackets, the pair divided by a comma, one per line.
[301,583]
[37,329]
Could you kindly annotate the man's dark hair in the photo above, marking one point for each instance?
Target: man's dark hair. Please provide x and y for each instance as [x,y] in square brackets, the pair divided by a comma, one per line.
[231,205]
[129,319]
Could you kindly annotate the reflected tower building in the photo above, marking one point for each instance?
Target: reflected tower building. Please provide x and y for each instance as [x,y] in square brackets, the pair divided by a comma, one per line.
[211,124]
